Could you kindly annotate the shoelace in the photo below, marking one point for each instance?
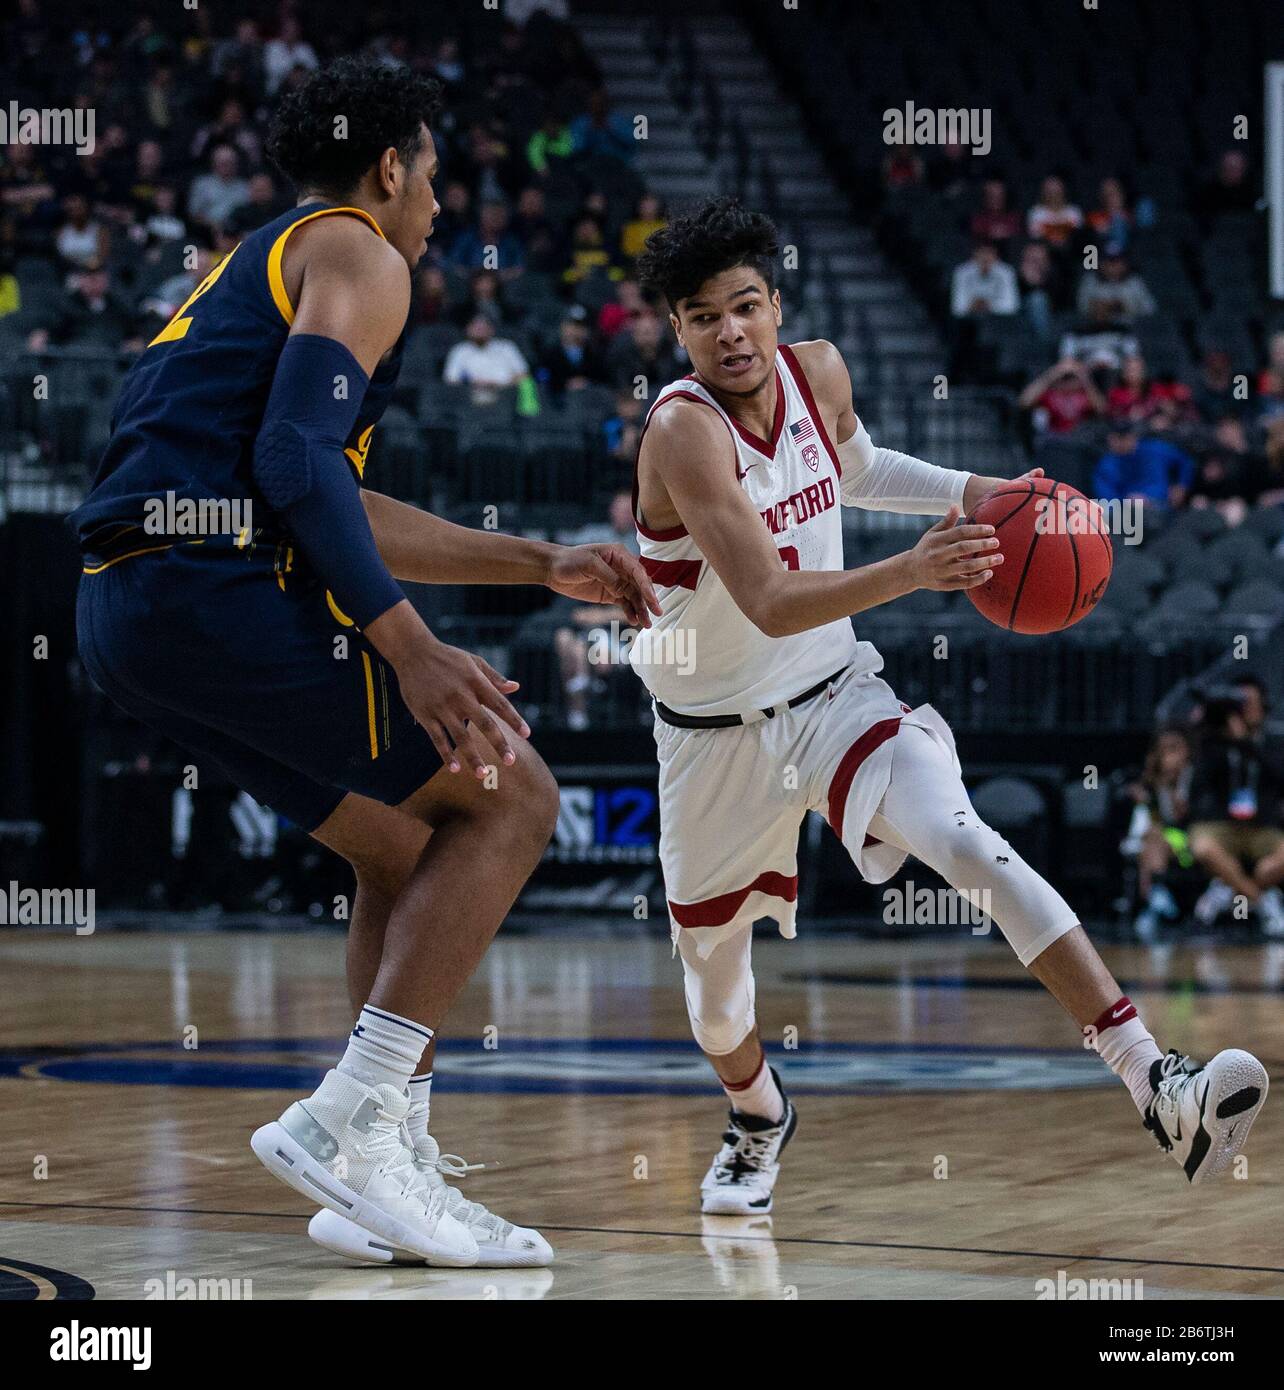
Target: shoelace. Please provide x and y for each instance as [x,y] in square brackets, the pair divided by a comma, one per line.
[1176,1068]
[451,1165]
[384,1143]
[743,1155]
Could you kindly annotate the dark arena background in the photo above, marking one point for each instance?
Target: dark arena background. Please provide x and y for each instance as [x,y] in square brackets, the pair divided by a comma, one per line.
[1047,234]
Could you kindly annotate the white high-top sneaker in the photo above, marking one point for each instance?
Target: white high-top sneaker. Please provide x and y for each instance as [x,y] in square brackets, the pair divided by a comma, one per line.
[742,1176]
[500,1244]
[344,1146]
[1201,1115]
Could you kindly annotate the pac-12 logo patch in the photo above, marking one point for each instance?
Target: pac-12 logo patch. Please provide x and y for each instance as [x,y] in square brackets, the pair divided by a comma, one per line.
[811,456]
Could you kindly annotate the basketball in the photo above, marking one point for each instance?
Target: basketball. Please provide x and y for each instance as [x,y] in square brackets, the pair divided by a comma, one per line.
[1057,556]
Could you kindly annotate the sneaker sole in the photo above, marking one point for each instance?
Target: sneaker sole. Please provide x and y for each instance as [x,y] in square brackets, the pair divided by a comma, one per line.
[1236,1092]
[342,1236]
[720,1201]
[285,1158]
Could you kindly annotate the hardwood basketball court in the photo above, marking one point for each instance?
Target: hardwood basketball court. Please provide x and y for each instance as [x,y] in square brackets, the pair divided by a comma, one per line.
[954,1141]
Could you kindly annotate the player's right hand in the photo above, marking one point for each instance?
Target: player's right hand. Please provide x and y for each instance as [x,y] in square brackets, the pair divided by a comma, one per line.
[459,698]
[950,556]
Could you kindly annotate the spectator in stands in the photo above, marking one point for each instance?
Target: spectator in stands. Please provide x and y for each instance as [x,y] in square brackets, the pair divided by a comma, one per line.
[163,302]
[265,202]
[589,253]
[621,431]
[483,361]
[230,128]
[1229,190]
[1157,832]
[1054,218]
[1036,288]
[1272,493]
[495,175]
[615,316]
[162,224]
[447,65]
[1137,399]
[1147,469]
[533,228]
[431,303]
[1215,387]
[601,133]
[26,192]
[995,221]
[241,56]
[586,636]
[490,245]
[1229,477]
[289,50]
[551,143]
[1063,397]
[572,362]
[456,215]
[648,216]
[983,285]
[91,315]
[1235,832]
[1096,342]
[82,242]
[645,354]
[1270,381]
[902,167]
[1115,294]
[1111,220]
[215,196]
[485,296]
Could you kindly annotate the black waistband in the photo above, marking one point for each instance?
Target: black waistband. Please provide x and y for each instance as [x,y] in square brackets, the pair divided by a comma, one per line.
[731,721]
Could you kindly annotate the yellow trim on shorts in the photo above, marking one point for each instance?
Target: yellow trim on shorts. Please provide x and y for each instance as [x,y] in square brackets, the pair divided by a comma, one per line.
[276,282]
[129,555]
[370,706]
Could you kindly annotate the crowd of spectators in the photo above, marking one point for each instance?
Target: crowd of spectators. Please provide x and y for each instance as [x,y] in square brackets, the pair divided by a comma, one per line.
[1069,280]
[528,282]
[1207,829]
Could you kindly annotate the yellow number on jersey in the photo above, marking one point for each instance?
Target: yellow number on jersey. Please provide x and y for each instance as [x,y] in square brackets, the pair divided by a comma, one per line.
[177,327]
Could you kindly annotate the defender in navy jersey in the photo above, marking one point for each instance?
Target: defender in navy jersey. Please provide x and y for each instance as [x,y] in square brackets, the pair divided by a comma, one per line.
[271,637]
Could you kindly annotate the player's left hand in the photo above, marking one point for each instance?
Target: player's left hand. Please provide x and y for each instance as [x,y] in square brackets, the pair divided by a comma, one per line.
[604,574]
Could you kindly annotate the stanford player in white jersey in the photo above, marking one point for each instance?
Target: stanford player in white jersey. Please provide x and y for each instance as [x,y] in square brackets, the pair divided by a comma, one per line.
[767,706]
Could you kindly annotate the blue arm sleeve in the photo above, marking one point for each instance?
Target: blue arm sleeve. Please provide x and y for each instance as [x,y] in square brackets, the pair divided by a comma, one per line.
[300,469]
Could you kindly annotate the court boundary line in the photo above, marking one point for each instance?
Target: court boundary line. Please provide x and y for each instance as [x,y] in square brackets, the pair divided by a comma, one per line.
[703,1235]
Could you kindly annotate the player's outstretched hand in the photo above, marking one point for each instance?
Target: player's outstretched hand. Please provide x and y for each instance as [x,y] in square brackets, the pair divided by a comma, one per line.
[604,574]
[950,556]
[458,697]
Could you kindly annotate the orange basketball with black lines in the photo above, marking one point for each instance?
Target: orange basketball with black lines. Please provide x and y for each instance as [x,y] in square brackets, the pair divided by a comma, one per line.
[1057,556]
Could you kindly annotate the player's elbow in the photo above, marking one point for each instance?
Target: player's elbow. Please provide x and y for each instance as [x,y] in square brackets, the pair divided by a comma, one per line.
[767,612]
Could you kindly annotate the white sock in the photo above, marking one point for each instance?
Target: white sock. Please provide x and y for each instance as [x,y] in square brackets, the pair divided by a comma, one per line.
[1127,1048]
[758,1096]
[417,1121]
[384,1049]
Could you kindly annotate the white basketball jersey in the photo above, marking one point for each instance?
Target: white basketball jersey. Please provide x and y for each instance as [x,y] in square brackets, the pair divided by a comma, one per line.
[703,656]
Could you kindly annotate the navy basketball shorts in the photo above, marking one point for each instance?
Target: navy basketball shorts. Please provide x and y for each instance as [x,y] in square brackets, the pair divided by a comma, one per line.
[232,653]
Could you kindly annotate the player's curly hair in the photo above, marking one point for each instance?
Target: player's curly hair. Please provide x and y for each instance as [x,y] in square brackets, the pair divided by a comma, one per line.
[380,105]
[718,235]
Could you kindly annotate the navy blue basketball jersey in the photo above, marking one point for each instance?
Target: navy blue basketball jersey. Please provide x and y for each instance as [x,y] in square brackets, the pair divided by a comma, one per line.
[190,408]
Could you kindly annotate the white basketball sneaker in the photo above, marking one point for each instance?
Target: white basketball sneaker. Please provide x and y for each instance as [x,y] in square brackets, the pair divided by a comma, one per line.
[741,1178]
[344,1146]
[1201,1115]
[500,1244]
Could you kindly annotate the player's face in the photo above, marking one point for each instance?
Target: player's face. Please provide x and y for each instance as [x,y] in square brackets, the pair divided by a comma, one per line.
[728,328]
[417,205]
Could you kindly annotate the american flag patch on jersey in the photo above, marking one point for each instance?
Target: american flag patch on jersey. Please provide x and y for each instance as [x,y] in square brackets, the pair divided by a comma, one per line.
[802,430]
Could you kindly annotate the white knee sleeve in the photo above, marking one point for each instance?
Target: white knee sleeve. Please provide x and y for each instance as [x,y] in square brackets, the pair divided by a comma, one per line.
[926,811]
[719,992]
